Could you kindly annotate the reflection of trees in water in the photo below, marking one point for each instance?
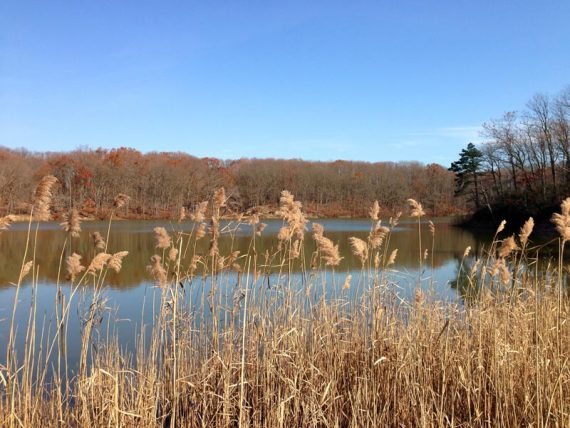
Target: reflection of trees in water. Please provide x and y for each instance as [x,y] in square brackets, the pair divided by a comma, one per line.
[534,264]
[138,239]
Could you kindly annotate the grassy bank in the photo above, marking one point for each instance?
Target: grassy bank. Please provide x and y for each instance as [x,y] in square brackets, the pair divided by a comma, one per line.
[281,354]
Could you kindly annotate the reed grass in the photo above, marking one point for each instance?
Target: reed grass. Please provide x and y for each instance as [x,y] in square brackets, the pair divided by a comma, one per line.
[288,354]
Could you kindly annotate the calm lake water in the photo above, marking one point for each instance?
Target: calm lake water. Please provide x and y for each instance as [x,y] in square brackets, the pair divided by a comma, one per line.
[131,293]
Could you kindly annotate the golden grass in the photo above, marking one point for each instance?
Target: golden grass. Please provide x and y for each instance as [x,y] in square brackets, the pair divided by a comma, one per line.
[287,357]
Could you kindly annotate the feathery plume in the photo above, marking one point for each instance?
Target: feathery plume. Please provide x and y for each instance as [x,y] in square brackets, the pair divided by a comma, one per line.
[233,256]
[221,263]
[72,223]
[294,231]
[284,234]
[120,200]
[98,262]
[416,209]
[98,241]
[172,254]
[194,263]
[214,235]
[359,248]
[290,211]
[419,297]
[74,266]
[199,214]
[328,251]
[260,228]
[395,220]
[295,249]
[392,258]
[431,228]
[347,280]
[162,237]
[374,211]
[287,199]
[42,198]
[219,198]
[526,230]
[505,274]
[201,231]
[377,235]
[509,245]
[116,261]
[182,214]
[157,271]
[565,207]
[501,227]
[496,266]
[562,221]
[318,230]
[25,270]
[467,251]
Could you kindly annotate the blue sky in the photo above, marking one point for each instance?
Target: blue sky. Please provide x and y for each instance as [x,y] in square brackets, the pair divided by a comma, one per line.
[325,80]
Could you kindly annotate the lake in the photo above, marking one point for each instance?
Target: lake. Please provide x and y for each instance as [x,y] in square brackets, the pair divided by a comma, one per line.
[132,294]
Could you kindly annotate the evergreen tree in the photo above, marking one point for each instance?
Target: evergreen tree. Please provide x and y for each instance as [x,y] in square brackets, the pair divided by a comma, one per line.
[467,170]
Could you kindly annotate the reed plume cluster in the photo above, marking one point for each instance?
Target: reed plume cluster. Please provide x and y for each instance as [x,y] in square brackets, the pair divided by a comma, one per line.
[259,349]
[121,200]
[74,266]
[163,239]
[72,223]
[328,251]
[98,241]
[292,234]
[42,198]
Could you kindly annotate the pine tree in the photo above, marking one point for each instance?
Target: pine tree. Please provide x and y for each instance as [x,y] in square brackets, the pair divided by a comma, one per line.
[467,170]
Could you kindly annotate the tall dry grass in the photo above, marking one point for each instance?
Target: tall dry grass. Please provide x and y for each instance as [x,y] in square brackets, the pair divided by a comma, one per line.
[285,353]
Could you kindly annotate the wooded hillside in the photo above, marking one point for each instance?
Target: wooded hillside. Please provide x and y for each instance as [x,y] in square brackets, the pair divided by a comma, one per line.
[159,184]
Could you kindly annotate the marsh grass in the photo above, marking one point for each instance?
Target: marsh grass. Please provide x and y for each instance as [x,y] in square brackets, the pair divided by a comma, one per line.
[261,347]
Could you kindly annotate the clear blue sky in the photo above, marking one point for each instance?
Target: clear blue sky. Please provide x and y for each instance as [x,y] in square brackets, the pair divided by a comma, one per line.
[368,80]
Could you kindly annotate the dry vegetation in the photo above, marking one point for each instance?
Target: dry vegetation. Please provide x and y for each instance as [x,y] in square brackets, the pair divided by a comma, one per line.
[160,183]
[283,355]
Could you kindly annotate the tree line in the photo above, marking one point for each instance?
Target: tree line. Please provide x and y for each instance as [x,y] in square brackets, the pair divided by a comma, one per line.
[159,184]
[524,159]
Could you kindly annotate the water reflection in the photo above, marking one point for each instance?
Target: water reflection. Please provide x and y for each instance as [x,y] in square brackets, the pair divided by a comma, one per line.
[133,298]
[137,238]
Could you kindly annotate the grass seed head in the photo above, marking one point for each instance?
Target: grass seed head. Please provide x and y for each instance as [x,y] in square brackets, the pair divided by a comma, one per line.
[121,200]
[72,223]
[98,241]
[374,211]
[526,230]
[359,248]
[116,261]
[74,266]
[43,197]
[416,209]
[162,237]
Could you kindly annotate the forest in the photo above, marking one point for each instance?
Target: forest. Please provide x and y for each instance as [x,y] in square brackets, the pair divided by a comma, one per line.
[160,184]
[523,165]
